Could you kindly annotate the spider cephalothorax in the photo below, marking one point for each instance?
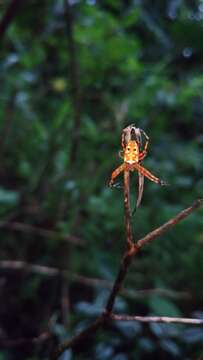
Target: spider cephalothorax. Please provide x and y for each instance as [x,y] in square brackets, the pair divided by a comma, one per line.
[132,156]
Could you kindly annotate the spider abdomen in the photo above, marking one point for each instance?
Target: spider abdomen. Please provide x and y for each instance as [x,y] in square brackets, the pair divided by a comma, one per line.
[131,153]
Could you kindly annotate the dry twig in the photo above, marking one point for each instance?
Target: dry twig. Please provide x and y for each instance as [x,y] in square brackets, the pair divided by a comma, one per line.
[125,263]
[18,265]
[157,319]
[30,229]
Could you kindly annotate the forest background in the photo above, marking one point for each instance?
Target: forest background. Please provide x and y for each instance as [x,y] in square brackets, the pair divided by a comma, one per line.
[72,77]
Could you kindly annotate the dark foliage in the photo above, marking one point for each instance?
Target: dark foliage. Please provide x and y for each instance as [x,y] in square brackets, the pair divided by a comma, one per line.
[71,79]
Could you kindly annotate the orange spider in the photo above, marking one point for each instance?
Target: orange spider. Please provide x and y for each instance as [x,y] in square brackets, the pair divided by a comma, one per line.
[132,156]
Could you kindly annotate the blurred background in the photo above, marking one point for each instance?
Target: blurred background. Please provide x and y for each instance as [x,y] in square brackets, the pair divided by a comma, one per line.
[72,76]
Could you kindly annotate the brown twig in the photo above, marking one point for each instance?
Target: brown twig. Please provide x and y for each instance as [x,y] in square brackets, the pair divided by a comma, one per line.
[127,259]
[157,319]
[109,316]
[118,282]
[10,13]
[165,227]
[27,228]
[88,331]
[17,265]
[130,246]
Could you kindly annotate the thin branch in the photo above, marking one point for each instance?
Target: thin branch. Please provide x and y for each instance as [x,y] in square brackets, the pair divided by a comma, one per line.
[30,229]
[52,271]
[127,258]
[157,319]
[125,263]
[24,266]
[88,331]
[10,14]
[42,270]
[17,265]
[165,227]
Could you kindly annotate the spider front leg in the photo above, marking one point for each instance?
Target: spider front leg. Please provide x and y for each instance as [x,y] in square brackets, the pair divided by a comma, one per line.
[144,152]
[116,172]
[147,173]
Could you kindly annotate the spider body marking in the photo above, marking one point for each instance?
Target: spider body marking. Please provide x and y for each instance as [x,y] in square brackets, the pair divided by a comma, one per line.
[132,156]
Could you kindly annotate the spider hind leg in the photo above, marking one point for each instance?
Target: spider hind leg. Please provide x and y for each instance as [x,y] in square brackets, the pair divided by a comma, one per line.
[149,175]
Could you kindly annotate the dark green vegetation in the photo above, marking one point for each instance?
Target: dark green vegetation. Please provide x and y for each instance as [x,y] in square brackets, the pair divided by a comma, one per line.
[67,88]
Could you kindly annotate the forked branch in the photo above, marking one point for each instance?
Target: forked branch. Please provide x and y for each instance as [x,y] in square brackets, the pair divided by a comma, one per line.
[107,315]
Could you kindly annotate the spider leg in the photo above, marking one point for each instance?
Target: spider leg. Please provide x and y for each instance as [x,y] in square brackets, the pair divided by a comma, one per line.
[140,189]
[144,152]
[146,173]
[123,140]
[116,172]
[144,133]
[121,154]
[142,155]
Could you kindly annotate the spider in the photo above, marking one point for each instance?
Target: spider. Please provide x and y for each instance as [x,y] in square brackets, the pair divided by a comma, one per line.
[132,156]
